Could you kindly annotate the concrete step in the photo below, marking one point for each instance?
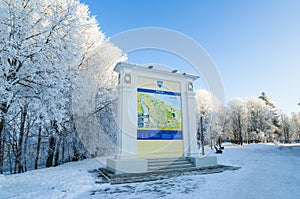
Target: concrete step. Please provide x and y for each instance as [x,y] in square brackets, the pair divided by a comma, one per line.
[169,164]
[167,159]
[173,165]
[171,168]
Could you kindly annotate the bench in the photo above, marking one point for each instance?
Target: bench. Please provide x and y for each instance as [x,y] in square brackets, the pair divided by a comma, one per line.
[218,150]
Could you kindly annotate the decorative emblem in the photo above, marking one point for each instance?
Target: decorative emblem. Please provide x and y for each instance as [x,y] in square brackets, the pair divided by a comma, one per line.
[159,83]
[127,78]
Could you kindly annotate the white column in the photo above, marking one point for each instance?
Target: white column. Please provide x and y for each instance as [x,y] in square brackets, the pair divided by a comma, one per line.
[193,150]
[189,119]
[127,133]
[185,121]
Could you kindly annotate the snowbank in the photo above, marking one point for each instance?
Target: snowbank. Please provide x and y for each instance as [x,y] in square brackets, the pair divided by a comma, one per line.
[65,181]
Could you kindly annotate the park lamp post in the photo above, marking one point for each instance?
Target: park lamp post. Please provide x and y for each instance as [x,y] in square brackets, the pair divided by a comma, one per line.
[202,113]
[299,113]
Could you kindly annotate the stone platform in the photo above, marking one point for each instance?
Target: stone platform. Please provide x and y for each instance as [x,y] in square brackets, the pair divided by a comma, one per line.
[161,174]
[135,165]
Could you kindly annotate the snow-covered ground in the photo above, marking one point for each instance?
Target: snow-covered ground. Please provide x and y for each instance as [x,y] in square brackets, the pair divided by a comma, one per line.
[267,171]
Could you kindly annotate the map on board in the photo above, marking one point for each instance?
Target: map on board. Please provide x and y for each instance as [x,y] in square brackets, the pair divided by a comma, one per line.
[159,114]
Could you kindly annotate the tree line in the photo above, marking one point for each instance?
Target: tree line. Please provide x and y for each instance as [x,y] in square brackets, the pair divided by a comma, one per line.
[250,120]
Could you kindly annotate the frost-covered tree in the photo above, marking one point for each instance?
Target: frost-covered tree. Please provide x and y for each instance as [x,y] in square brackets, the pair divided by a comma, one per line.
[276,115]
[260,116]
[93,99]
[224,122]
[267,100]
[296,125]
[238,119]
[44,44]
[208,107]
[39,47]
[286,128]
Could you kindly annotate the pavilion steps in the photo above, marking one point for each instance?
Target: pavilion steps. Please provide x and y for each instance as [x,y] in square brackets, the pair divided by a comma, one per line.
[170,164]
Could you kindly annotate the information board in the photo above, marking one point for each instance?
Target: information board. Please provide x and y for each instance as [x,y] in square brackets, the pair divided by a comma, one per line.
[159,115]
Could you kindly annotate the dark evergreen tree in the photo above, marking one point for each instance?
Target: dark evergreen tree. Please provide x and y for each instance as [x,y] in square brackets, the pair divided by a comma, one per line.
[276,116]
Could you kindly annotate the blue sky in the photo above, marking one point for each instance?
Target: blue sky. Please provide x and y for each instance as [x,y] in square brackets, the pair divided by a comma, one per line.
[255,44]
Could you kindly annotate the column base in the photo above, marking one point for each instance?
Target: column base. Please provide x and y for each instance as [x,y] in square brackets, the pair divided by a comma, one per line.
[207,161]
[129,165]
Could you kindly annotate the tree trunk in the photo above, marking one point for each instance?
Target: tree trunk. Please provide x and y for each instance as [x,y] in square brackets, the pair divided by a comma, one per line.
[241,137]
[240,132]
[38,148]
[2,148]
[56,157]
[9,158]
[76,152]
[202,135]
[3,109]
[63,151]
[20,142]
[25,146]
[49,161]
[2,122]
[15,168]
[287,137]
[58,133]
[1,152]
[14,144]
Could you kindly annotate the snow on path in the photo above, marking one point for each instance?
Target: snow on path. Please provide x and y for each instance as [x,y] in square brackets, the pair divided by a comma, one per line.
[267,171]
